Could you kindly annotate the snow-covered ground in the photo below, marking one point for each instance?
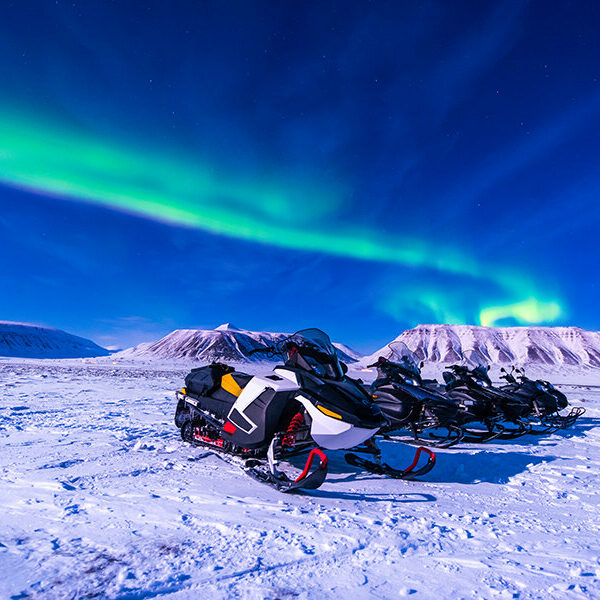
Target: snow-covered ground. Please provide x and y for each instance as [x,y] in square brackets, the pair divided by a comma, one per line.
[100,499]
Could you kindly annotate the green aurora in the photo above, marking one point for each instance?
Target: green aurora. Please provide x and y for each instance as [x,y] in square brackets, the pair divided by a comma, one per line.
[59,161]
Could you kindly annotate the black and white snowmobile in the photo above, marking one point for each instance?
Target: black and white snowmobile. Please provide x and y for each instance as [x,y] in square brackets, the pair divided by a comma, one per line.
[544,400]
[261,422]
[400,393]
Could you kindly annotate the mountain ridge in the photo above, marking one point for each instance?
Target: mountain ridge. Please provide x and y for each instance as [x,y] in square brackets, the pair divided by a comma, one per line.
[27,340]
[546,346]
[224,343]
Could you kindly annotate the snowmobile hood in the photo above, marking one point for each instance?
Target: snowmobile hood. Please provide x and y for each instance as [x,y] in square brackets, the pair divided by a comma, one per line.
[417,392]
[345,397]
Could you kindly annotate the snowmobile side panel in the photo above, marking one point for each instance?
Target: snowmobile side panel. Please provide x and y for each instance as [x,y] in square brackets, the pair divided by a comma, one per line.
[257,410]
[260,419]
[257,385]
[333,433]
[401,408]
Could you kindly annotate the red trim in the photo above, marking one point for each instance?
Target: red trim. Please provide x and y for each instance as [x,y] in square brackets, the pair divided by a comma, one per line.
[229,427]
[309,461]
[217,442]
[417,456]
[207,440]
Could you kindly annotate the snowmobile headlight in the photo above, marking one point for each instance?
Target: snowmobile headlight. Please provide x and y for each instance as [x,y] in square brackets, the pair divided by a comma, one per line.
[184,391]
[328,412]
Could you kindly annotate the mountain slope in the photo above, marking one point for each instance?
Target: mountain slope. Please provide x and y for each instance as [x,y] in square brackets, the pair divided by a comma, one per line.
[24,340]
[225,343]
[546,346]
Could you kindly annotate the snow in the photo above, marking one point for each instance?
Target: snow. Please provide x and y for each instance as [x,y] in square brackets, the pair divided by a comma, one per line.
[100,498]
[34,341]
[227,326]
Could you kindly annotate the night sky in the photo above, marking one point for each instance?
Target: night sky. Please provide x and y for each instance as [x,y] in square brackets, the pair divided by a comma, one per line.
[361,167]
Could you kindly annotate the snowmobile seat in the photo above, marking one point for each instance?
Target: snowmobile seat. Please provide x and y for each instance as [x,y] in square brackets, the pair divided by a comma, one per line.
[220,397]
[231,386]
[381,381]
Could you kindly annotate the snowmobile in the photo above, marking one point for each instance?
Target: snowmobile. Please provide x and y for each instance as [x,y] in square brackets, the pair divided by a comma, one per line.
[400,393]
[501,412]
[543,399]
[304,406]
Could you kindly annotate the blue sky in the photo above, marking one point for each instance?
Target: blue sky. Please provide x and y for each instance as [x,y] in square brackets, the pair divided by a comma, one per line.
[360,167]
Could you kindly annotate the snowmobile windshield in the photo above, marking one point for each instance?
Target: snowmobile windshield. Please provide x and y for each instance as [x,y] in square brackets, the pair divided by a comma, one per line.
[312,350]
[405,359]
[480,372]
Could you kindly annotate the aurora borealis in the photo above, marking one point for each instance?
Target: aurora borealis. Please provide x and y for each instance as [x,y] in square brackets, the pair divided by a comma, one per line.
[199,171]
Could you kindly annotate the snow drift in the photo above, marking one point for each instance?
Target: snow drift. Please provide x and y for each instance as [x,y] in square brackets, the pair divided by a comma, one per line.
[24,340]
[225,343]
[544,346]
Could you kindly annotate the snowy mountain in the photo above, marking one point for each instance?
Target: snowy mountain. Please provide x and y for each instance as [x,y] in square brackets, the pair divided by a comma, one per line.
[224,343]
[346,353]
[544,346]
[25,340]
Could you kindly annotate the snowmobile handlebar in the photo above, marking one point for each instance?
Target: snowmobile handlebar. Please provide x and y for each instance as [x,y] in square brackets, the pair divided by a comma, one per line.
[270,350]
[265,349]
[382,361]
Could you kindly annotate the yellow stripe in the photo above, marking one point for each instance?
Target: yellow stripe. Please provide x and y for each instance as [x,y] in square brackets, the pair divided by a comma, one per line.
[328,412]
[229,384]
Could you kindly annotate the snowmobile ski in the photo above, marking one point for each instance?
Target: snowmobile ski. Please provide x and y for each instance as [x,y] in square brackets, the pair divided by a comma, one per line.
[266,471]
[307,480]
[380,468]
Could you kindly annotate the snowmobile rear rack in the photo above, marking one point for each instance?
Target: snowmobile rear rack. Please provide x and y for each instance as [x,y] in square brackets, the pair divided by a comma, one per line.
[564,422]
